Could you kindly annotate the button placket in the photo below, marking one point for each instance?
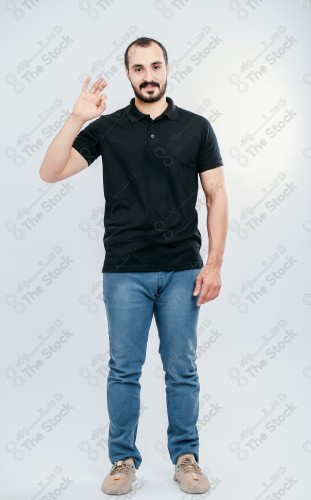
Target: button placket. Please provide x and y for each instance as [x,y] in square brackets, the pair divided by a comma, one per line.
[151,130]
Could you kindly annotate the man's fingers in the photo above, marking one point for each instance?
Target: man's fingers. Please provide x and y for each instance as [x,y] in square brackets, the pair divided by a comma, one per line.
[102,96]
[208,293]
[102,105]
[102,85]
[100,88]
[97,86]
[86,84]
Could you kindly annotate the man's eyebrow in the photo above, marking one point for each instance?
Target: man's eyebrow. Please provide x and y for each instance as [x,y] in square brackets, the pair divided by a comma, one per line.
[155,62]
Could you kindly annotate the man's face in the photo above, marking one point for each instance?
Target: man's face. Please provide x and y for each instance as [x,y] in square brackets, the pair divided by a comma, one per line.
[147,72]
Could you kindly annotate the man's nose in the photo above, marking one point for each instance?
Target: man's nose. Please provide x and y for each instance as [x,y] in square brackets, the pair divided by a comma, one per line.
[149,75]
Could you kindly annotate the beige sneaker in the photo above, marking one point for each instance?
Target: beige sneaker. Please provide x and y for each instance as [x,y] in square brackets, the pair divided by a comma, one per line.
[190,477]
[120,478]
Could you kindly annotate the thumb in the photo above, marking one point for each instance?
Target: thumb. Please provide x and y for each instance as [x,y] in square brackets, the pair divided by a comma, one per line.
[198,285]
[102,103]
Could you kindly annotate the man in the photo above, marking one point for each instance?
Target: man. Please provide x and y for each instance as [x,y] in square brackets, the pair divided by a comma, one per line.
[152,154]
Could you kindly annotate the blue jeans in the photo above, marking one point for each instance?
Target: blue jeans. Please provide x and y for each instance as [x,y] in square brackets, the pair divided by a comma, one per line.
[131,299]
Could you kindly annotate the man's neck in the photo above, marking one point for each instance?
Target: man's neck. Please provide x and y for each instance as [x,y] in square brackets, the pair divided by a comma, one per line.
[153,109]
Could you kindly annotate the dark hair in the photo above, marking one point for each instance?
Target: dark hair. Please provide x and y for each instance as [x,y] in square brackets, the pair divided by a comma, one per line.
[144,42]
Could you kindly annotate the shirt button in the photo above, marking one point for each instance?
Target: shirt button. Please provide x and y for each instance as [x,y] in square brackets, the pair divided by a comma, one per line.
[152,136]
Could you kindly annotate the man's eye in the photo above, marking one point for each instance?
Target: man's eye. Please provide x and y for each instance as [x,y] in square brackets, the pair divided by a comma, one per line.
[156,67]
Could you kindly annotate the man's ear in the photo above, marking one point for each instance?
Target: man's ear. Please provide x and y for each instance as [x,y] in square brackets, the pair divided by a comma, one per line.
[127,73]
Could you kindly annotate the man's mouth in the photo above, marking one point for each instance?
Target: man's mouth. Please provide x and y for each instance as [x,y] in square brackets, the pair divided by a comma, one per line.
[149,87]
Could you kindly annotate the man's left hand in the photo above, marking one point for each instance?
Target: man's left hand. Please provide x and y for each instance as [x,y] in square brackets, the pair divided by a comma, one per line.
[209,282]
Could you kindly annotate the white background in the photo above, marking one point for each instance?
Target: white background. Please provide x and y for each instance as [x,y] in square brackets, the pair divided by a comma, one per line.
[254,85]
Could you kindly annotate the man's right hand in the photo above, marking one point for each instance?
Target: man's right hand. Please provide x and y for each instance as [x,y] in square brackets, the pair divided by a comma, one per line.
[90,104]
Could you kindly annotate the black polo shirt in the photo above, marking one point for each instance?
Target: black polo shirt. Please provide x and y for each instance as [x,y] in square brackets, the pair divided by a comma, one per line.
[150,181]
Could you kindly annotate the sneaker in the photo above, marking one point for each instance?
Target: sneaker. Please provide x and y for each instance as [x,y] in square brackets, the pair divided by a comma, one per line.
[190,477]
[120,478]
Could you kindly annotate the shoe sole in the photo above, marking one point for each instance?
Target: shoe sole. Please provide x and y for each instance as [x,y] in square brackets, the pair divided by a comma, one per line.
[123,493]
[187,491]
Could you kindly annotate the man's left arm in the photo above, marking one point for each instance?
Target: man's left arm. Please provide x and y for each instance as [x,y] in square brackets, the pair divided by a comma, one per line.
[209,279]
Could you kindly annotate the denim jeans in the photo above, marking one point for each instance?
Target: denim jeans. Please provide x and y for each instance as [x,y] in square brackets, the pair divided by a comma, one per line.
[131,299]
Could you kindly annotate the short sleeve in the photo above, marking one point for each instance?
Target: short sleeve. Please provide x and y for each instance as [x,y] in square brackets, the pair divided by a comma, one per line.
[209,154]
[87,141]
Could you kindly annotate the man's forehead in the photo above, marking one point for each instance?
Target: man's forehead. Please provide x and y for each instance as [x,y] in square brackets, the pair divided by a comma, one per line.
[146,54]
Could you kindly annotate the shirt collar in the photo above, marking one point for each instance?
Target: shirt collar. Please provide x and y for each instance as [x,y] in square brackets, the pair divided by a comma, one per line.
[134,114]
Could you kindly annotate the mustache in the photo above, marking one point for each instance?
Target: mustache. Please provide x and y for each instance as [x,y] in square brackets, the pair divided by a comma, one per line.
[146,84]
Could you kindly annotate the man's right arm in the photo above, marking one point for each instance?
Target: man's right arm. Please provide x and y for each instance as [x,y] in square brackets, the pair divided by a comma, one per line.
[61,159]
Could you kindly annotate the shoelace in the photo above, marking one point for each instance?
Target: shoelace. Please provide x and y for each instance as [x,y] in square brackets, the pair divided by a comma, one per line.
[120,466]
[189,466]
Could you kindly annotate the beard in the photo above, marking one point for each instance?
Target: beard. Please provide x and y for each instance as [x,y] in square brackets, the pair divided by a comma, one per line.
[150,95]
